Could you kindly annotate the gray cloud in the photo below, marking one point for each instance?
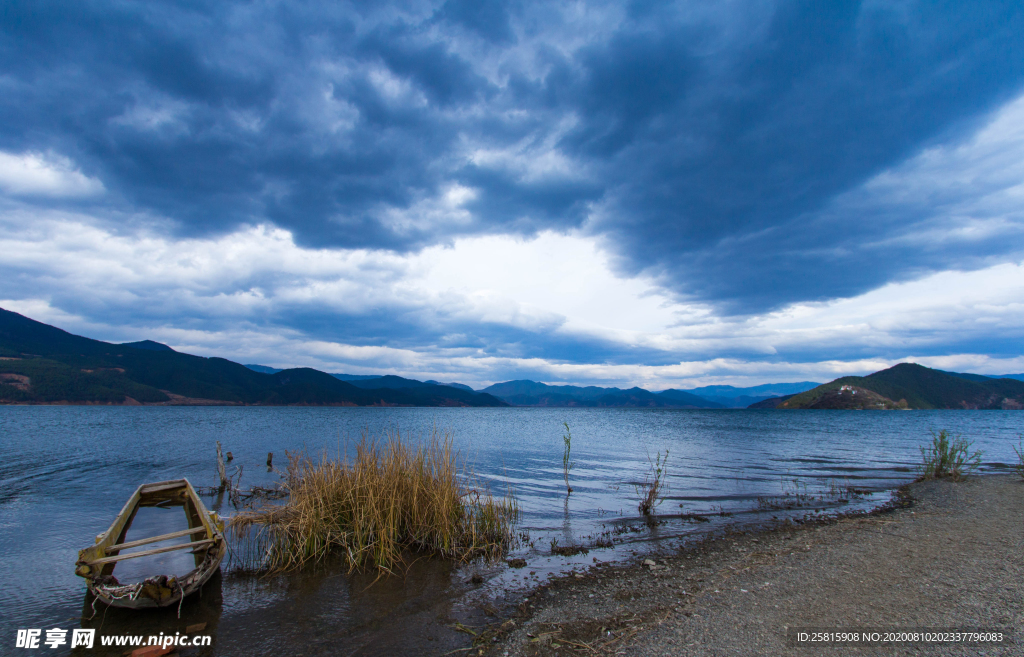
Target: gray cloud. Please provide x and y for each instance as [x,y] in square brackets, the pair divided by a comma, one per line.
[727,150]
[729,180]
[223,294]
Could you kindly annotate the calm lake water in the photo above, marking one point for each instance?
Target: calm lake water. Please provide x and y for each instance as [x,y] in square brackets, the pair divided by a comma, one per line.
[66,472]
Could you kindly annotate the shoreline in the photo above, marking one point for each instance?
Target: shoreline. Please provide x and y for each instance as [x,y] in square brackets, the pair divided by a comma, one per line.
[943,555]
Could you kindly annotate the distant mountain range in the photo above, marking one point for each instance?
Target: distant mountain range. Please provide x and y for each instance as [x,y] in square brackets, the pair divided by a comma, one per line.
[903,386]
[41,364]
[910,386]
[370,381]
[731,397]
[531,393]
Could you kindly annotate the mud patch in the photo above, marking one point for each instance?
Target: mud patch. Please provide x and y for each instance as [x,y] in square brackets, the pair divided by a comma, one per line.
[585,636]
[19,381]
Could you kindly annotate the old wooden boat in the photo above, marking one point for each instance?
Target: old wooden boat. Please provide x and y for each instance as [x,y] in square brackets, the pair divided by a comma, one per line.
[204,538]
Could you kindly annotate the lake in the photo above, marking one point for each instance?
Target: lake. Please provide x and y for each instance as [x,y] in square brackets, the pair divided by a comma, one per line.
[67,470]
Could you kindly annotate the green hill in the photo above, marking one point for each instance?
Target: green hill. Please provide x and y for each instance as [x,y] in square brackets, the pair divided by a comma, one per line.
[43,364]
[918,387]
[147,344]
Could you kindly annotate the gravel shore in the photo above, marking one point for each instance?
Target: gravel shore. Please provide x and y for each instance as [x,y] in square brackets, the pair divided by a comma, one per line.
[949,555]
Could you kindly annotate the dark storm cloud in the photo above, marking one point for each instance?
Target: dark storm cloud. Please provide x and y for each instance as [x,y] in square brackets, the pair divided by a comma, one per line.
[422,329]
[727,175]
[488,18]
[718,147]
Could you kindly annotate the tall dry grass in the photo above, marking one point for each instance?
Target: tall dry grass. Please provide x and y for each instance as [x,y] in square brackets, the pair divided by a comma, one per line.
[390,498]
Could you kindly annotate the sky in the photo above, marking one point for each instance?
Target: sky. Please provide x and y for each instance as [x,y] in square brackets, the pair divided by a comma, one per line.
[658,194]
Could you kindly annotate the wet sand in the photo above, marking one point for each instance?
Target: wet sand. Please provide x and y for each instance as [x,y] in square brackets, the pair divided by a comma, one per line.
[947,555]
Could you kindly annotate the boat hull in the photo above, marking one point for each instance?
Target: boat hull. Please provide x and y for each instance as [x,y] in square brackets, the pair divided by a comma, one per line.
[204,538]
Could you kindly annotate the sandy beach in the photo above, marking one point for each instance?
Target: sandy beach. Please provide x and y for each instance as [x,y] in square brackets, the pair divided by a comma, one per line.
[946,555]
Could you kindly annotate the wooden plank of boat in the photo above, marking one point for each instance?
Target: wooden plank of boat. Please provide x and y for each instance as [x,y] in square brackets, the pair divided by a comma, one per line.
[146,553]
[155,539]
[162,486]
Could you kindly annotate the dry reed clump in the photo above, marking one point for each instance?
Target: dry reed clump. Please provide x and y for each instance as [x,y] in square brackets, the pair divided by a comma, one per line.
[389,498]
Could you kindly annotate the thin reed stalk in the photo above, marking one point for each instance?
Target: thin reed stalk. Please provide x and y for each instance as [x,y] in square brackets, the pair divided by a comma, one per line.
[388,499]
[1019,466]
[651,491]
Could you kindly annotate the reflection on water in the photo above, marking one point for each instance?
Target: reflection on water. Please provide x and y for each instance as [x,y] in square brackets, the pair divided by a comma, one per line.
[321,612]
[154,521]
[200,614]
[66,472]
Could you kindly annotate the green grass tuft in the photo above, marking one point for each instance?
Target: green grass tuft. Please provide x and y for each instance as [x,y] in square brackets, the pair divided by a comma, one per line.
[949,456]
[651,491]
